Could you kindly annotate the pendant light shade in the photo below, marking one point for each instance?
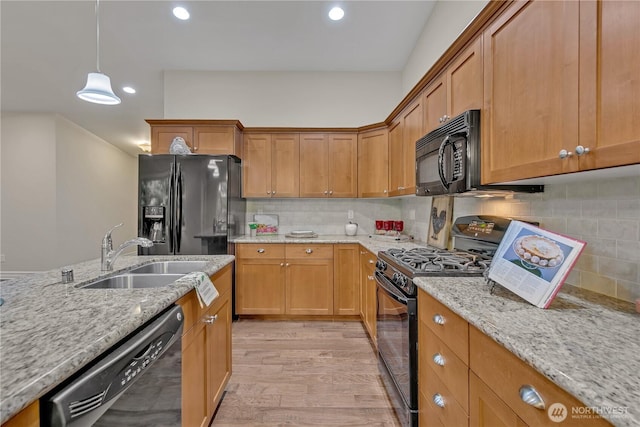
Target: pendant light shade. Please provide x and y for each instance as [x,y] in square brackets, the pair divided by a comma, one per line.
[98,88]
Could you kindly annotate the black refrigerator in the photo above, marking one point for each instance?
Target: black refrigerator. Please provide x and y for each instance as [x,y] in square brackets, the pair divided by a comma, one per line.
[189,204]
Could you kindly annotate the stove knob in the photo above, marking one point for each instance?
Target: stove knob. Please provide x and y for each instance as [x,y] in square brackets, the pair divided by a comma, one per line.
[395,278]
[403,280]
[381,265]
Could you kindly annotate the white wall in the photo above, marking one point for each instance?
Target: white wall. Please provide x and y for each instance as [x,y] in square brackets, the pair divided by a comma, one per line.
[447,20]
[62,188]
[289,99]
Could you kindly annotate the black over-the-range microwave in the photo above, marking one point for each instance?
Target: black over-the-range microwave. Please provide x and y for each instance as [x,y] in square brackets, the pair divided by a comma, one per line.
[448,160]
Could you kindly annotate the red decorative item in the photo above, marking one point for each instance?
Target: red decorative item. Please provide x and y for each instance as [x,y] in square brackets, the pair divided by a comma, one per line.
[379,224]
[398,226]
[387,225]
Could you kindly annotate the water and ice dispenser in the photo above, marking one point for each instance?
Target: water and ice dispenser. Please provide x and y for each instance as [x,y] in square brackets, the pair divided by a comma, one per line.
[153,223]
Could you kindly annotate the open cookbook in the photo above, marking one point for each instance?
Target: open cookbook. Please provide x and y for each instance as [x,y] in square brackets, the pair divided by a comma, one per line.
[533,262]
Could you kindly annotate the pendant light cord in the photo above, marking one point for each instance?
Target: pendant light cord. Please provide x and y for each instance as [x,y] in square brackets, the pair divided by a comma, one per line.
[98,35]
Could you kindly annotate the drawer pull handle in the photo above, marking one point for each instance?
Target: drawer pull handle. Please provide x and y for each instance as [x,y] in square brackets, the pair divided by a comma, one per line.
[261,251]
[370,277]
[211,320]
[309,251]
[438,400]
[371,261]
[438,319]
[530,396]
[438,359]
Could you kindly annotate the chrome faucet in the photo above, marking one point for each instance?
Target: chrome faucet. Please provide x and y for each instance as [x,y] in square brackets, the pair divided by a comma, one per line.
[109,256]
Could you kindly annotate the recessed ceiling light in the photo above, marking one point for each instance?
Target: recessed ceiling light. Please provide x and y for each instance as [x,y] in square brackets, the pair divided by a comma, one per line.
[181,13]
[129,89]
[336,13]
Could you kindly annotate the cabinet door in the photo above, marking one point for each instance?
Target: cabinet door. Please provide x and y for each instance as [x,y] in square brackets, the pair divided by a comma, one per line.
[373,163]
[314,165]
[346,296]
[218,351]
[372,301]
[363,282]
[194,384]
[28,417]
[260,286]
[343,165]
[214,140]
[530,91]
[162,137]
[396,164]
[464,80]
[486,409]
[435,103]
[609,83]
[309,286]
[285,165]
[256,166]
[412,130]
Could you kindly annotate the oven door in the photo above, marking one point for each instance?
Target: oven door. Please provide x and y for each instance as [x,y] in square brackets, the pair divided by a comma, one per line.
[397,335]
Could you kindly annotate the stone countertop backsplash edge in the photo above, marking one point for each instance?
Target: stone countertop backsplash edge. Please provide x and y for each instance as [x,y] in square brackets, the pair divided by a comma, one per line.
[586,343]
[50,330]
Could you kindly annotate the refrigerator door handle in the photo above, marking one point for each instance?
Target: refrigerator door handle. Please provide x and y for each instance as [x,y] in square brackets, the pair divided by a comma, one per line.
[171,207]
[179,207]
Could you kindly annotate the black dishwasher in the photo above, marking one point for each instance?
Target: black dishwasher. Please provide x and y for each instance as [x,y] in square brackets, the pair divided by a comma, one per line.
[136,383]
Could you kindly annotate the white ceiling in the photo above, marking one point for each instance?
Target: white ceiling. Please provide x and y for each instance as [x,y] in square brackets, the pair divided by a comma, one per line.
[48,47]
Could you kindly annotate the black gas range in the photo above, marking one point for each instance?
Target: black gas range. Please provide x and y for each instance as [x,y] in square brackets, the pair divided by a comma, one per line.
[476,238]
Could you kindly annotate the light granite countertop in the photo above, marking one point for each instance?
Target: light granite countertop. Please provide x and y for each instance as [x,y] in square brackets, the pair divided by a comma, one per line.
[586,343]
[49,330]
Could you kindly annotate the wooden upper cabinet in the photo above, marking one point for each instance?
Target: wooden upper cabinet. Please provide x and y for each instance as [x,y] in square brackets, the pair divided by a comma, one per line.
[457,89]
[373,163]
[271,165]
[530,91]
[609,83]
[285,165]
[328,165]
[162,137]
[403,134]
[215,137]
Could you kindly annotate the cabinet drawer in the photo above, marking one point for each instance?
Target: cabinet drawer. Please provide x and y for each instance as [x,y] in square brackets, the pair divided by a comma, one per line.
[303,251]
[505,374]
[434,390]
[191,310]
[222,280]
[449,368]
[260,250]
[452,329]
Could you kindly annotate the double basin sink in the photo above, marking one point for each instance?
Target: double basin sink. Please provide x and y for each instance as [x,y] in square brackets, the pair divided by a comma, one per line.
[153,275]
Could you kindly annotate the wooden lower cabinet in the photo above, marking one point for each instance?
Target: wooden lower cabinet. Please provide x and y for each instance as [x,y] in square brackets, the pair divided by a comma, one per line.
[28,417]
[368,302]
[296,279]
[486,408]
[206,352]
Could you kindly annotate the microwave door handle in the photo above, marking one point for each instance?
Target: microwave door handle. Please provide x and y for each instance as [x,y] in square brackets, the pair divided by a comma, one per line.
[443,179]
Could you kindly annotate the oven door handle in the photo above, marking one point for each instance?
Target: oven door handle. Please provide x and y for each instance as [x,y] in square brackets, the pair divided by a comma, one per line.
[382,283]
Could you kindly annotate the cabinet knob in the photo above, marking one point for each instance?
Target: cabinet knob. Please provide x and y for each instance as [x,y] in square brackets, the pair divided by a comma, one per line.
[530,396]
[309,251]
[438,400]
[326,192]
[282,264]
[385,191]
[370,277]
[273,192]
[563,154]
[580,150]
[268,192]
[330,192]
[260,251]
[438,359]
[438,319]
[441,119]
[286,265]
[210,320]
[371,261]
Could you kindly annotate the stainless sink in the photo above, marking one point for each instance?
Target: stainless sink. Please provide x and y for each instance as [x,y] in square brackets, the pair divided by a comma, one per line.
[169,267]
[134,281]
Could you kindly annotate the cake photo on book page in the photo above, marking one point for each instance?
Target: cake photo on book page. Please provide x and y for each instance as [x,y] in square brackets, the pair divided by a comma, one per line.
[534,263]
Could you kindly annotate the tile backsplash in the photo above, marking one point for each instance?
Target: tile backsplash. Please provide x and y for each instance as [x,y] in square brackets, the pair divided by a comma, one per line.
[604,213]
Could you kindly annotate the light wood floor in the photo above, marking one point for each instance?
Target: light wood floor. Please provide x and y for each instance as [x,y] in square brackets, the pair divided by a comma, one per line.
[315,373]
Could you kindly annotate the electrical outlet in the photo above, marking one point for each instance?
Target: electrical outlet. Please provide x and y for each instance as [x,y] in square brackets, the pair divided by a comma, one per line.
[412,214]
[350,214]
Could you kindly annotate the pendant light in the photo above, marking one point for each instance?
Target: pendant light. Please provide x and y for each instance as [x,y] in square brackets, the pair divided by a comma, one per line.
[98,88]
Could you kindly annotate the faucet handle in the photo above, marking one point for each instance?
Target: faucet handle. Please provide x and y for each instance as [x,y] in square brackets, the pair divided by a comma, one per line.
[106,240]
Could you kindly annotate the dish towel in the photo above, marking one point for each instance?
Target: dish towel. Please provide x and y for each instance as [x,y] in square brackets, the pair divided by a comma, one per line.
[204,287]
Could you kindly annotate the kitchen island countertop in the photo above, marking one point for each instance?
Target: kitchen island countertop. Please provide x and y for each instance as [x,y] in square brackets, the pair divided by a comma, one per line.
[50,330]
